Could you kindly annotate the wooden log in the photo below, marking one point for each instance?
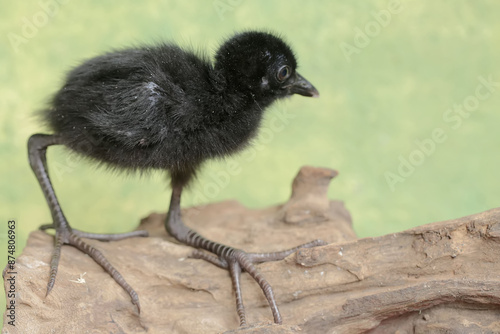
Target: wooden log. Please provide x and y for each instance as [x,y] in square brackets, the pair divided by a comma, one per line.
[437,278]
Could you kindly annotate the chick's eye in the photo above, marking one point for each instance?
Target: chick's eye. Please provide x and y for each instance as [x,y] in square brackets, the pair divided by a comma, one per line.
[284,72]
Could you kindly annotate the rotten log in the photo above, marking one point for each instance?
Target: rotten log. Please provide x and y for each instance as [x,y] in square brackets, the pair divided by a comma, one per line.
[436,278]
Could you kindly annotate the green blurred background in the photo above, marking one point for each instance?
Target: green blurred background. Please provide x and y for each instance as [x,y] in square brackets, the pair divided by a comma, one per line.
[386,82]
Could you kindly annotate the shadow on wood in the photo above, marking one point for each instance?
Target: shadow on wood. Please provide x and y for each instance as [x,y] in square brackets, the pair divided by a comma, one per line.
[436,278]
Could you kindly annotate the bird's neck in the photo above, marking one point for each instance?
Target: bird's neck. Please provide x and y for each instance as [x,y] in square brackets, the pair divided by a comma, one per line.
[232,115]
[238,96]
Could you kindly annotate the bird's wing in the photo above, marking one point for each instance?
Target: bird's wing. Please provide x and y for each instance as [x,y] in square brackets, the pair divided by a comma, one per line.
[134,113]
[134,97]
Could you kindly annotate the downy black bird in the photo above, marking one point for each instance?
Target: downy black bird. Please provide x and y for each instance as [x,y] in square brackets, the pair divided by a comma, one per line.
[164,107]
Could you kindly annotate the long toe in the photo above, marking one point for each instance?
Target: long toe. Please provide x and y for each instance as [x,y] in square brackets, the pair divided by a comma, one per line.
[65,236]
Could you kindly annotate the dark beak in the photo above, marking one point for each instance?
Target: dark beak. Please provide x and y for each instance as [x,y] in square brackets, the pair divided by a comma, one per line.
[303,87]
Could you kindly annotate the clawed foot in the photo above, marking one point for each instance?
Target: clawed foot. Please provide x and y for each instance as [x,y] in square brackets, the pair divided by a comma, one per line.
[236,260]
[65,235]
[72,237]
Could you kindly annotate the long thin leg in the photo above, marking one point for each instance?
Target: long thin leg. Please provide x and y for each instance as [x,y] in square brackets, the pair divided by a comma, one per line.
[226,257]
[65,235]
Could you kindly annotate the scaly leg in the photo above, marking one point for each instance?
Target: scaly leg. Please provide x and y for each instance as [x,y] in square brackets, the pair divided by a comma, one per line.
[65,235]
[235,260]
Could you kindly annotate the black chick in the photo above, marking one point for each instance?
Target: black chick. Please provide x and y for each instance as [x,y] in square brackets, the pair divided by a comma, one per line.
[163,107]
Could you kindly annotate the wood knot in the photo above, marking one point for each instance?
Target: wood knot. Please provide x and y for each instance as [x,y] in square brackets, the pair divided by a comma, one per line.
[309,201]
